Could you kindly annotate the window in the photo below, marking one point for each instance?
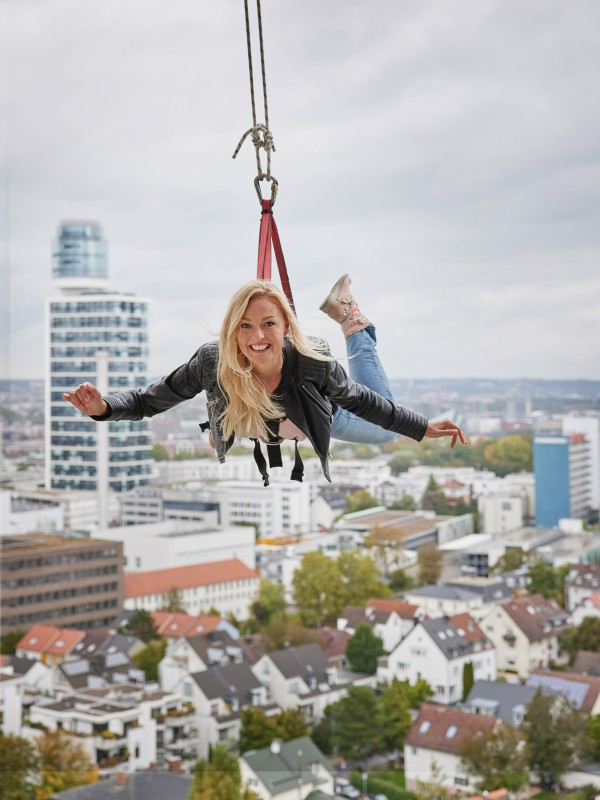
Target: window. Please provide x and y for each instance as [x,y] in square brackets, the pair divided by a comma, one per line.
[451,732]
[424,726]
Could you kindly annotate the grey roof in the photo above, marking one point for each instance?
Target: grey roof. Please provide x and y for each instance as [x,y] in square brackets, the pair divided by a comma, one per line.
[444,592]
[305,661]
[123,642]
[490,589]
[574,692]
[233,681]
[505,700]
[336,499]
[280,771]
[150,784]
[214,647]
[20,665]
[450,640]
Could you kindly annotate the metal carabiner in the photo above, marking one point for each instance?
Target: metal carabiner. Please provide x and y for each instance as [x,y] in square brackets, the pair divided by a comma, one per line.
[274,187]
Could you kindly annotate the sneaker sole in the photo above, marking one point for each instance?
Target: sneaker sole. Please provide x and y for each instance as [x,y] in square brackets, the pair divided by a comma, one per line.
[331,298]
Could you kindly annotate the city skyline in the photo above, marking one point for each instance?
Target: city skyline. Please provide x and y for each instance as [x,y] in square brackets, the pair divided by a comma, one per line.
[447,157]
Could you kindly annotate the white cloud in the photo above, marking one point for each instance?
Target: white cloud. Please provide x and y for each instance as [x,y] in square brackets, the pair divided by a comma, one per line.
[445,154]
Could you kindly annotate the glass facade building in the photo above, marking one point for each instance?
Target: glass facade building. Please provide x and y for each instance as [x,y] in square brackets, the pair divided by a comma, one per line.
[81,324]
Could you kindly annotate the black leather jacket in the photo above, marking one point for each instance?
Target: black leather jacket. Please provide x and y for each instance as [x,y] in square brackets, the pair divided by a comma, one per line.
[307,390]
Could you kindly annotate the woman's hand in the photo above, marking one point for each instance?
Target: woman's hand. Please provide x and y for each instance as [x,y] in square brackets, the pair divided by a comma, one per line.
[87,399]
[445,427]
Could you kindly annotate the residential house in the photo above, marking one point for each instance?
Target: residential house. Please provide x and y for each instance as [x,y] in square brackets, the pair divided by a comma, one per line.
[229,586]
[391,620]
[581,691]
[49,644]
[176,624]
[588,607]
[508,701]
[219,695]
[22,680]
[443,600]
[125,725]
[438,650]
[301,677]
[581,581]
[333,643]
[329,504]
[190,654]
[97,671]
[252,646]
[493,590]
[149,784]
[525,631]
[434,739]
[294,770]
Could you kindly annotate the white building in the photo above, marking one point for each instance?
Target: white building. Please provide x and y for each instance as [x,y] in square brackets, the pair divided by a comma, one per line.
[78,510]
[501,513]
[525,632]
[589,425]
[174,544]
[228,586]
[582,581]
[444,600]
[20,514]
[437,650]
[280,509]
[97,335]
[433,744]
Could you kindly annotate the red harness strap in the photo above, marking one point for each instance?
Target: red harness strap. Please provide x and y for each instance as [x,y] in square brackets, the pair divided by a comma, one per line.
[269,237]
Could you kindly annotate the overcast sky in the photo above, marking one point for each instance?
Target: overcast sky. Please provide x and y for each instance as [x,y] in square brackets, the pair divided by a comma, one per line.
[445,153]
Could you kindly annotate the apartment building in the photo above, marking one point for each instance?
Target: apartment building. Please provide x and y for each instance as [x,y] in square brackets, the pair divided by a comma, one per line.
[47,578]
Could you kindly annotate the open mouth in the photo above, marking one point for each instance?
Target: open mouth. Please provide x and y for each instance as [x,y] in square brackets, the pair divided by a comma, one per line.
[259,348]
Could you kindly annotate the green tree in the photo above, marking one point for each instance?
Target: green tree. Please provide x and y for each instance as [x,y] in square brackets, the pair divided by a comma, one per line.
[323,730]
[290,724]
[361,578]
[9,642]
[395,709]
[593,738]
[287,630]
[270,601]
[363,649]
[361,500]
[150,657]
[140,624]
[257,730]
[512,559]
[358,724]
[435,788]
[468,679]
[429,560]
[586,636]
[554,732]
[318,588]
[63,764]
[385,542]
[219,778]
[173,601]
[510,454]
[406,503]
[159,452]
[499,758]
[400,581]
[19,762]
[419,692]
[548,581]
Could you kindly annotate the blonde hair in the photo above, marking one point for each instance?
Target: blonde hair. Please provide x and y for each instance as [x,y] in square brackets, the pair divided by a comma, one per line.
[249,403]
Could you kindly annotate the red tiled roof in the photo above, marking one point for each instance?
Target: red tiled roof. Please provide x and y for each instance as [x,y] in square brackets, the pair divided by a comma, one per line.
[65,641]
[404,610]
[50,639]
[333,641]
[442,728]
[179,624]
[536,616]
[466,623]
[160,581]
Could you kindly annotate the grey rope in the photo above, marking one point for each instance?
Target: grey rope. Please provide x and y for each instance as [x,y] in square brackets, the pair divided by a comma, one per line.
[262,138]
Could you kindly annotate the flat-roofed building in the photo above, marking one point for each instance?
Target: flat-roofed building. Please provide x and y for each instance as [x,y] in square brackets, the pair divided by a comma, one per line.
[57,579]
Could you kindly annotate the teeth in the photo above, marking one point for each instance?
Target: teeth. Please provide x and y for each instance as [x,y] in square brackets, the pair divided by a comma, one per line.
[259,346]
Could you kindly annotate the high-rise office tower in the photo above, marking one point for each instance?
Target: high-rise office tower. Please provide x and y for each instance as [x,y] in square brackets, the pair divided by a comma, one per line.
[588,423]
[97,335]
[561,465]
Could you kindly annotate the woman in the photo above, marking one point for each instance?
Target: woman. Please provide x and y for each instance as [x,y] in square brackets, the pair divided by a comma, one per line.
[266,380]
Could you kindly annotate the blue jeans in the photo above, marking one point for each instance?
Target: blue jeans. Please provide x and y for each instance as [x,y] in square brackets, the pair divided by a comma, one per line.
[366,368]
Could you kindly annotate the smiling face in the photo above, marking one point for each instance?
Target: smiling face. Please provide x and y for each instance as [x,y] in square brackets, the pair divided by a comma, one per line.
[260,336]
